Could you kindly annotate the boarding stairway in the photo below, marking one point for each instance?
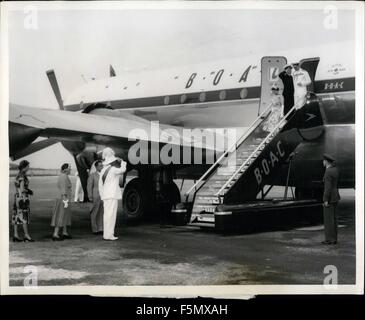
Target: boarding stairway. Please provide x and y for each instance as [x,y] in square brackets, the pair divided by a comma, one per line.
[246,164]
[243,170]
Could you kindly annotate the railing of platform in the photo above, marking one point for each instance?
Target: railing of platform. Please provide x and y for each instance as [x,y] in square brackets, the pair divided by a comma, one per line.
[233,147]
[255,151]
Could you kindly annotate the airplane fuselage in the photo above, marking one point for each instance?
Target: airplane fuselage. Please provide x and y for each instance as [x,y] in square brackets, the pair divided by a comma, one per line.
[227,94]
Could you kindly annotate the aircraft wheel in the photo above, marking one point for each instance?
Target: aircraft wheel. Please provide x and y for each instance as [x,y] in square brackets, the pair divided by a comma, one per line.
[135,201]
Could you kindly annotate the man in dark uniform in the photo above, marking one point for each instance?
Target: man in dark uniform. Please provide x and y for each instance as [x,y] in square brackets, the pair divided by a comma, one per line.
[288,91]
[330,199]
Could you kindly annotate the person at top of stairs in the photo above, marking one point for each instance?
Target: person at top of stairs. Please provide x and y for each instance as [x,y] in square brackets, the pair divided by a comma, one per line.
[288,92]
[277,109]
[301,80]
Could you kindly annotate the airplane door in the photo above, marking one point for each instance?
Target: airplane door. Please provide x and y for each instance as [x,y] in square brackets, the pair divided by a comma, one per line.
[270,69]
[310,65]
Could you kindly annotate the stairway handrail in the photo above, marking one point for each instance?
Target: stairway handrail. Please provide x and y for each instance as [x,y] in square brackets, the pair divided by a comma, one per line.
[254,152]
[237,142]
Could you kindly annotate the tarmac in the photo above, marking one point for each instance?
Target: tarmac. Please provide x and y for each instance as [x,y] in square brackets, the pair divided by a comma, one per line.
[178,255]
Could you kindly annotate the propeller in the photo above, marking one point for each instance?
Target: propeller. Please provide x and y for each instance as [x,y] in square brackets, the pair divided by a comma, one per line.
[56,90]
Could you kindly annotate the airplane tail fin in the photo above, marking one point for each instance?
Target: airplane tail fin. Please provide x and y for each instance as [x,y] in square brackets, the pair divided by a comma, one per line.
[112,71]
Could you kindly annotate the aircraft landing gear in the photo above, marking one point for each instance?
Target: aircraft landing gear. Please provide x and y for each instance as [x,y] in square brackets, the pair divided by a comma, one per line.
[143,197]
[136,200]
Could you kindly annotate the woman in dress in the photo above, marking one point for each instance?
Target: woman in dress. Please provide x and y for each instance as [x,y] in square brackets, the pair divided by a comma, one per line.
[277,109]
[61,217]
[21,207]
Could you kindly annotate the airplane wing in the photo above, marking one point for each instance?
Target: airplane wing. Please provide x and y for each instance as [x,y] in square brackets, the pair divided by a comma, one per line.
[124,129]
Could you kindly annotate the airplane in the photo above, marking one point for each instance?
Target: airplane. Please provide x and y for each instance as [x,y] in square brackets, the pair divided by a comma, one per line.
[209,96]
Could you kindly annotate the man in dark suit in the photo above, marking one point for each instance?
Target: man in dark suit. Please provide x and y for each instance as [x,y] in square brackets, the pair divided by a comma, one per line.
[288,91]
[330,199]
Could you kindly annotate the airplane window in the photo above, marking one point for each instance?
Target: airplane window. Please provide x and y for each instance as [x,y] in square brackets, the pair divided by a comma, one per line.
[243,93]
[125,88]
[183,98]
[138,83]
[166,100]
[222,95]
[202,97]
[176,77]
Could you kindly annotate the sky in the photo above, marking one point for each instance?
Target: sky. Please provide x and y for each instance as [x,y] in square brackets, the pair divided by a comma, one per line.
[82,43]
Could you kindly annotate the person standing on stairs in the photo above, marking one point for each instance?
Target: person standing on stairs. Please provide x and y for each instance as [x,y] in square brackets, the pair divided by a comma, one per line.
[288,92]
[301,80]
[277,109]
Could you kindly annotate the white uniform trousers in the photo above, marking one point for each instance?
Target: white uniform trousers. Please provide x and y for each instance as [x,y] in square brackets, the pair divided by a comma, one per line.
[110,217]
[79,193]
[299,99]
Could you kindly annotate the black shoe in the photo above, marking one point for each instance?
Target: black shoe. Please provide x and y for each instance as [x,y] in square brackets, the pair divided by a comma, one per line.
[66,236]
[326,242]
[16,239]
[28,240]
[57,238]
[333,242]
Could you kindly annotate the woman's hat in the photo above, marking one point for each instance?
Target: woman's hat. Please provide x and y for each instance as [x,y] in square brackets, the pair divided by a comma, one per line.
[275,87]
[23,164]
[328,157]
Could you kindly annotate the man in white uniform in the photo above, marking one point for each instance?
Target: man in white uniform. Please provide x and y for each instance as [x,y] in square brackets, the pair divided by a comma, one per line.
[301,80]
[110,191]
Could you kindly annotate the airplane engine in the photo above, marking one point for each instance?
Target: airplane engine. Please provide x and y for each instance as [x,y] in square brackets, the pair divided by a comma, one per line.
[21,137]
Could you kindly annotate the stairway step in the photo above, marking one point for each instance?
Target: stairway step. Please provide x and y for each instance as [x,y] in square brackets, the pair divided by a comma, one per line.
[208,193]
[206,218]
[202,224]
[206,197]
[218,177]
[211,185]
[200,206]
[209,200]
[207,208]
[214,186]
[205,201]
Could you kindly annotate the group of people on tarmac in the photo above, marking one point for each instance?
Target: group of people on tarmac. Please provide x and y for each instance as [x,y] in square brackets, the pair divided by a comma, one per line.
[104,188]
